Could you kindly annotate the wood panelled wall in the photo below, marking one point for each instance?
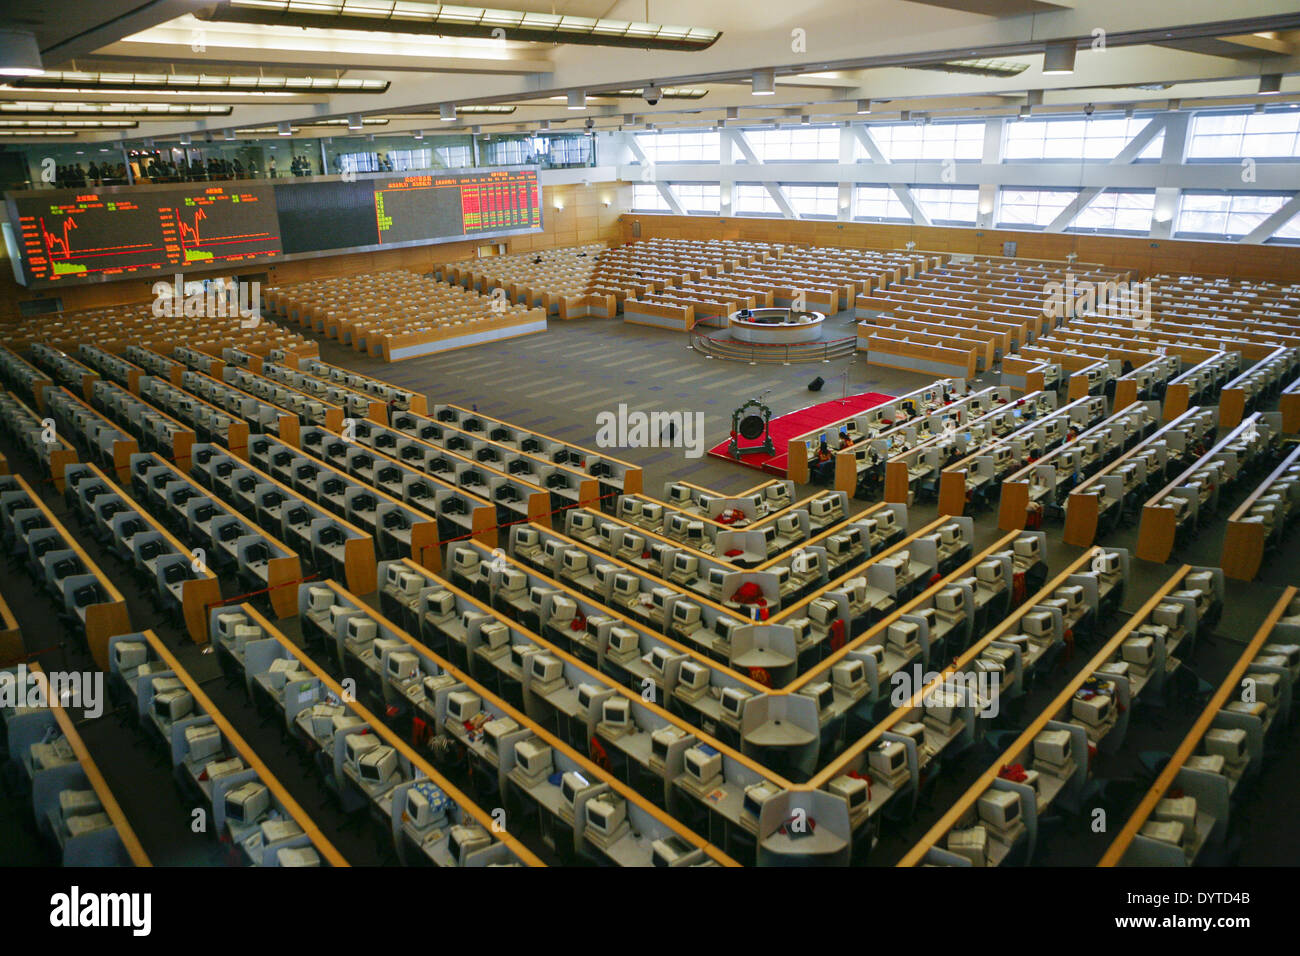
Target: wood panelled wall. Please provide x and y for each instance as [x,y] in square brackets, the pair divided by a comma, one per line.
[1146,256]
[582,217]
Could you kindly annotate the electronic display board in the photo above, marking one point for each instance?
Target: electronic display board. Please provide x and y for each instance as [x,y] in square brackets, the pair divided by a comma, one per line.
[77,236]
[317,216]
[412,207]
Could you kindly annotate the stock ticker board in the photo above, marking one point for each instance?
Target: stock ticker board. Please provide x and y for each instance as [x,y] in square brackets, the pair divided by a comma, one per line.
[73,237]
[408,208]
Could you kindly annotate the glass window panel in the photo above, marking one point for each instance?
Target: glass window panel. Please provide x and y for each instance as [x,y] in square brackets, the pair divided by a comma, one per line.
[698,197]
[1234,136]
[688,147]
[1028,207]
[1225,214]
[1098,140]
[754,199]
[646,196]
[902,142]
[1117,212]
[878,202]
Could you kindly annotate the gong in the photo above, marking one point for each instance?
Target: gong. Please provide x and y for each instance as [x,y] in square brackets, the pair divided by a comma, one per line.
[751,421]
[751,427]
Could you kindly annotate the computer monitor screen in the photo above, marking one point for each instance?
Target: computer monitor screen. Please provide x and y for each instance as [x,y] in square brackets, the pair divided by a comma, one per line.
[571,783]
[733,701]
[462,705]
[403,666]
[247,802]
[616,712]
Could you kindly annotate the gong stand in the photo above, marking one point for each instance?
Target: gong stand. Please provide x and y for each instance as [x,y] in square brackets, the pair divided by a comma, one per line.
[749,421]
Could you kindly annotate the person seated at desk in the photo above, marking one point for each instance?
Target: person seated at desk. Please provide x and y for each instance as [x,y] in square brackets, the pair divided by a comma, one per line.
[823,466]
[844,439]
[1128,367]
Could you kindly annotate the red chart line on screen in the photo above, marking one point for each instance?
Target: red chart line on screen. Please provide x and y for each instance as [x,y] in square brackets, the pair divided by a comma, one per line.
[83,237]
[220,225]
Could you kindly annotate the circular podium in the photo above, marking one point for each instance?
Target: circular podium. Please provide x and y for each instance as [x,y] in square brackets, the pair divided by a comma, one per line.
[775,326]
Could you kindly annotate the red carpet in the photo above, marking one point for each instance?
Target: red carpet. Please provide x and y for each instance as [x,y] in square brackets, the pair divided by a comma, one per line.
[785,427]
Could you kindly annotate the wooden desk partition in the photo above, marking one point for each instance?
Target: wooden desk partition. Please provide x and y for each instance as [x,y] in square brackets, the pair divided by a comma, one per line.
[1243,541]
[632,476]
[280,572]
[844,761]
[950,819]
[103,620]
[59,454]
[12,650]
[914,357]
[125,832]
[1158,528]
[1231,686]
[1289,405]
[197,594]
[394,740]
[240,746]
[1082,509]
[122,449]
[425,540]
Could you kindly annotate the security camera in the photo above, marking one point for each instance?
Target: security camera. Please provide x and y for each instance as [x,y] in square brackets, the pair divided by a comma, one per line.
[652,94]
[590,123]
[1087,109]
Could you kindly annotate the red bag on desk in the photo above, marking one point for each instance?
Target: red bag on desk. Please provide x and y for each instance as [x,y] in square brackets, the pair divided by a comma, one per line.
[837,633]
[1013,772]
[1018,589]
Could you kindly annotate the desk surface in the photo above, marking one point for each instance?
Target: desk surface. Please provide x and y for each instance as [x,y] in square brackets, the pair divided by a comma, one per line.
[780,733]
